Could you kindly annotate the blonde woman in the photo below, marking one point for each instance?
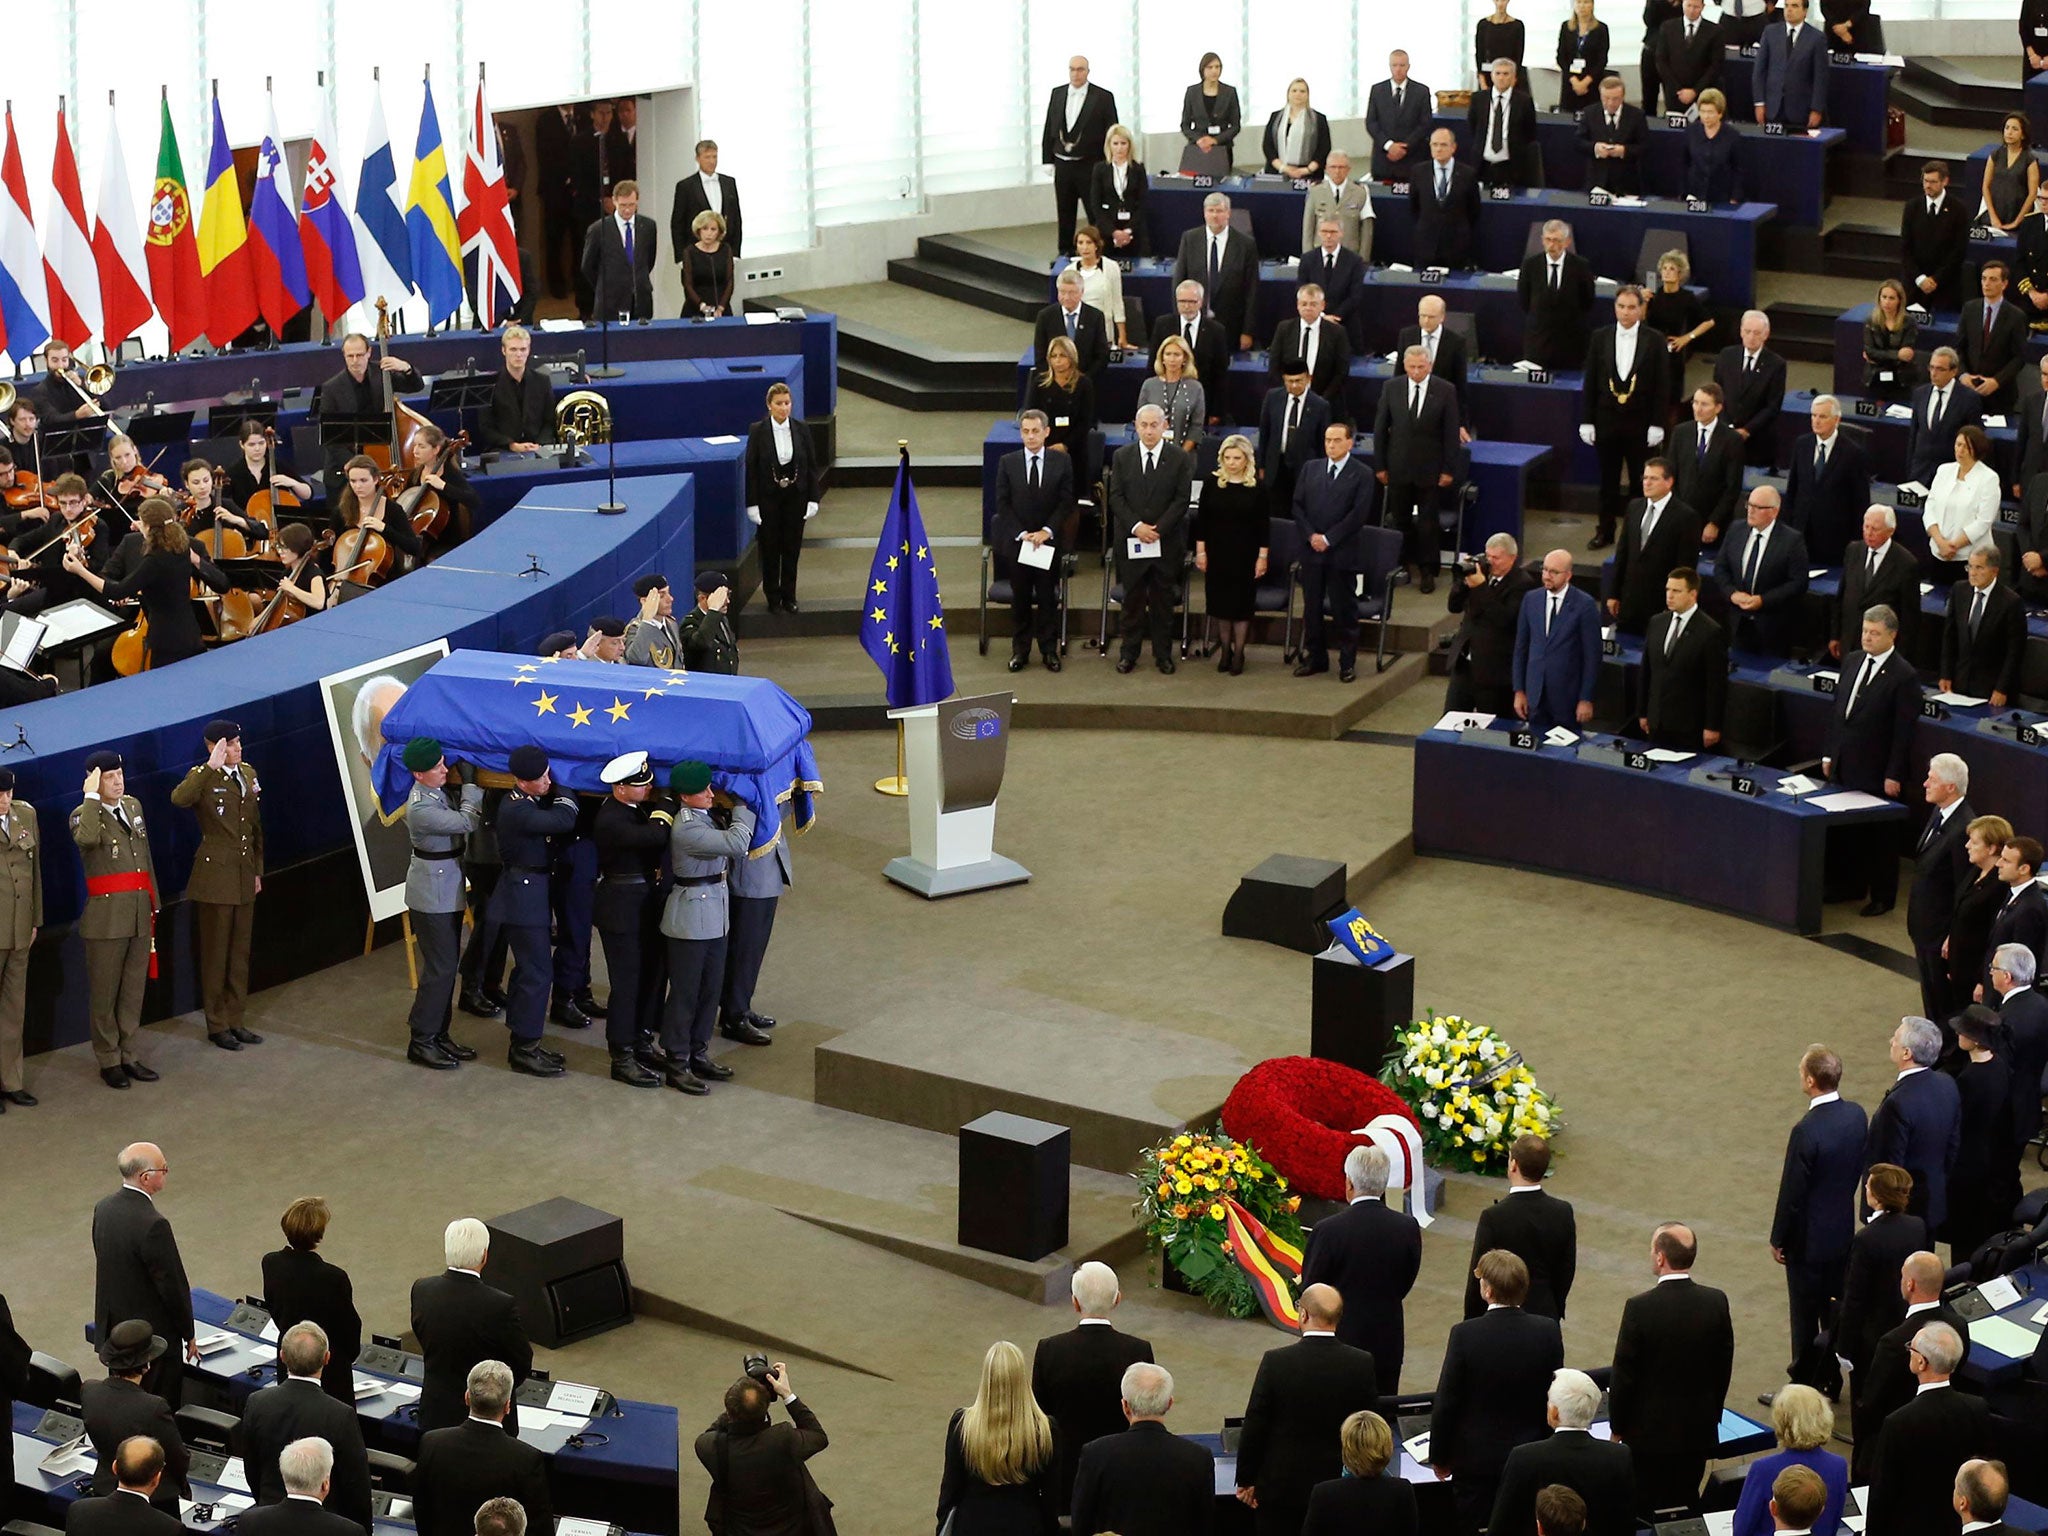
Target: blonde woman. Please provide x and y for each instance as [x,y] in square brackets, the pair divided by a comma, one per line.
[1804,1423]
[707,269]
[1176,390]
[1230,549]
[1102,282]
[1297,137]
[1067,396]
[1365,1498]
[1582,43]
[1679,313]
[998,1479]
[1891,345]
[1116,194]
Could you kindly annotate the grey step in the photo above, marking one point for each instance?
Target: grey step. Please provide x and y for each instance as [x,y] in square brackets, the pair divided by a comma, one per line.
[1803,332]
[1964,84]
[995,262]
[916,392]
[993,295]
[1932,101]
[1862,250]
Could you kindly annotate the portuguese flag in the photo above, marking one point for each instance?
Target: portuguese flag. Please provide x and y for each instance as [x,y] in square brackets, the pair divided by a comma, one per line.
[174,275]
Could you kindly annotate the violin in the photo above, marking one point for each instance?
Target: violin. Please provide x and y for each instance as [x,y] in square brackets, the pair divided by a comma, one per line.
[27,491]
[144,482]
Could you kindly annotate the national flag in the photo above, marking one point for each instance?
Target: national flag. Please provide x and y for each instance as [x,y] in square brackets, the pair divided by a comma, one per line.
[24,289]
[430,221]
[224,244]
[174,275]
[277,265]
[327,235]
[380,222]
[74,282]
[117,250]
[904,629]
[1272,1267]
[485,223]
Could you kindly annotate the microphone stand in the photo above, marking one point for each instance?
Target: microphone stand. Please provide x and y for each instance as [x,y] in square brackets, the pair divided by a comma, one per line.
[611,506]
[604,370]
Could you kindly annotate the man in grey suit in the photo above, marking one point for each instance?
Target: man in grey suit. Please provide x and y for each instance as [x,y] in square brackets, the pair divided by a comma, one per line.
[1415,441]
[1226,263]
[1148,508]
[1397,119]
[618,257]
[1338,197]
[1792,72]
[695,923]
[435,898]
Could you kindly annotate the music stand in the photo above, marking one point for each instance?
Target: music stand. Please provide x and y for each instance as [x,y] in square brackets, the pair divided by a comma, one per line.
[152,427]
[72,445]
[252,575]
[467,390]
[231,413]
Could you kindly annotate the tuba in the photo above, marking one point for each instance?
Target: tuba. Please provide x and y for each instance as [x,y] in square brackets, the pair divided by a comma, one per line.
[585,413]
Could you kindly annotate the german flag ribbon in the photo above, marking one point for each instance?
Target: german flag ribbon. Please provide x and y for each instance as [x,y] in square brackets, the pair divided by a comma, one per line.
[1272,1266]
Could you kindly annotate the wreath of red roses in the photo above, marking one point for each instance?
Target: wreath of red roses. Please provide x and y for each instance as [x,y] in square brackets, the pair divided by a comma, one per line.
[1299,1112]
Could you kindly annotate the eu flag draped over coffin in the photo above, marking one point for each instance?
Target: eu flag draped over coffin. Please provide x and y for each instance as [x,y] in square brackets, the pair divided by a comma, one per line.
[481,704]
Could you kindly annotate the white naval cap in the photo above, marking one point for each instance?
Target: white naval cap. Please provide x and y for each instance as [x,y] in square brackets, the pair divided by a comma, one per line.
[629,768]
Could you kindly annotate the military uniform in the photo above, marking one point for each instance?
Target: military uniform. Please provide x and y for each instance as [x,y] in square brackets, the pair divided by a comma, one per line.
[630,840]
[21,914]
[695,923]
[757,885]
[708,643]
[572,890]
[118,924]
[225,873]
[520,903]
[654,643]
[483,961]
[434,896]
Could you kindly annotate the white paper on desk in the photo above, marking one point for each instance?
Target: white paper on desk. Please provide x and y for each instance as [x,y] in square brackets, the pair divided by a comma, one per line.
[409,1390]
[574,1525]
[1399,266]
[1962,699]
[1558,736]
[573,1399]
[233,1503]
[762,317]
[1911,309]
[1796,784]
[561,325]
[1914,486]
[1815,572]
[1514,272]
[2005,1336]
[269,1335]
[1994,421]
[1136,548]
[1455,721]
[1667,755]
[1418,1447]
[2000,1293]
[1849,1522]
[213,1343]
[1849,800]
[1630,200]
[232,1475]
[722,441]
[1926,587]
[1899,412]
[72,1457]
[1721,1522]
[1039,555]
[1525,366]
[2040,1317]
[1832,674]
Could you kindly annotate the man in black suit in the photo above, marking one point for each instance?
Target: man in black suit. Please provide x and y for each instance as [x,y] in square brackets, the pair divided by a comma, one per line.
[2024,1013]
[756,1467]
[1600,1472]
[1446,348]
[1205,339]
[295,1408]
[1984,636]
[1300,1398]
[307,1467]
[1144,1480]
[1912,1486]
[1444,195]
[1225,262]
[1875,569]
[1034,507]
[1876,702]
[1941,408]
[127,1511]
[1337,269]
[1397,118]
[1655,14]
[1886,1384]
[1148,513]
[618,257]
[357,399]
[710,190]
[137,1269]
[1918,1124]
[1415,434]
[1080,323]
[1706,464]
[120,1408]
[2030,416]
[1483,654]
[1672,1359]
[1762,568]
[1492,1390]
[1612,137]
[1980,1497]
[1536,1227]
[459,1321]
[2024,917]
[1332,500]
[1371,1254]
[1828,486]
[1815,1219]
[1314,342]
[1992,339]
[1291,423]
[1555,290]
[1752,378]
[1623,397]
[1077,1376]
[458,1468]
[556,131]
[1501,126]
[14,1361]
[1941,869]
[1688,57]
[1685,670]
[1078,117]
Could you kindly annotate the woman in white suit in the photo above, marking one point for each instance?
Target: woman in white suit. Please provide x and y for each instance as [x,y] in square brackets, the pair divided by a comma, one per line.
[1102,282]
[1962,504]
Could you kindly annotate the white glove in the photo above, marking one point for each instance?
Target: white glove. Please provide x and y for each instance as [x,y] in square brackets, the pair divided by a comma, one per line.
[1656,438]
[754,516]
[1586,434]
[810,510]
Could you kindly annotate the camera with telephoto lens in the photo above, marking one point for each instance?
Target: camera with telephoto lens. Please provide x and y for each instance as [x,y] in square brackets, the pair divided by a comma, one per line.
[755,1366]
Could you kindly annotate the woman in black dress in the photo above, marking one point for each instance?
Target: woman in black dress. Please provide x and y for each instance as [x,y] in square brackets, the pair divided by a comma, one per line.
[707,270]
[1968,945]
[1116,195]
[1230,548]
[1891,345]
[1067,396]
[1581,42]
[163,581]
[1367,1499]
[999,1463]
[302,1287]
[364,505]
[1679,313]
[1985,1179]
[1500,36]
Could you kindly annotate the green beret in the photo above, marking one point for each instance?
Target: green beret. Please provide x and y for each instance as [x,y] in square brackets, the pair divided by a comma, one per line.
[689,778]
[421,754]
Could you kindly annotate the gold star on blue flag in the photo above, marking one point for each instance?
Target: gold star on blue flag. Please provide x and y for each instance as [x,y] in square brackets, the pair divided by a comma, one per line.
[906,602]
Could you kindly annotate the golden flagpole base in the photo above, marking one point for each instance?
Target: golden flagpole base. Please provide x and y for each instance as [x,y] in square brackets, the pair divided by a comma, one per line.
[896,784]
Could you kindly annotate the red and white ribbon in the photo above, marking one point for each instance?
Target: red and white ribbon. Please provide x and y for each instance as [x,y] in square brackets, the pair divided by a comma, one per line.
[1397,1136]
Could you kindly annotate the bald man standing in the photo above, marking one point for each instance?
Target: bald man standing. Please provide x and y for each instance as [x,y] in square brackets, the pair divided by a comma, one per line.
[138,1271]
[1301,1397]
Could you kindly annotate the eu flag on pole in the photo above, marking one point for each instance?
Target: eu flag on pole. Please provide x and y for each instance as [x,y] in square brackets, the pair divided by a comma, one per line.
[904,627]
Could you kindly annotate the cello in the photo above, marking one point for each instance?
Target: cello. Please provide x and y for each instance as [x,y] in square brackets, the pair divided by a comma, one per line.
[263,506]
[283,608]
[422,503]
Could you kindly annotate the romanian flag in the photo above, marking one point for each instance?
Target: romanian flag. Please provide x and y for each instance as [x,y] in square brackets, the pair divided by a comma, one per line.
[224,244]
[1272,1266]
[174,275]
[430,232]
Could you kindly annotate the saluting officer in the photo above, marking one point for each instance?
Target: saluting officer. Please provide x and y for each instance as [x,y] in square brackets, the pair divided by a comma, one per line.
[21,914]
[118,925]
[433,895]
[631,832]
[532,813]
[758,880]
[695,924]
[651,639]
[706,631]
[227,876]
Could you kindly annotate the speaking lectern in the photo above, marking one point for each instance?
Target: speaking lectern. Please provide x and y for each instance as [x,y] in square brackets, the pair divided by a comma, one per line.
[953,754]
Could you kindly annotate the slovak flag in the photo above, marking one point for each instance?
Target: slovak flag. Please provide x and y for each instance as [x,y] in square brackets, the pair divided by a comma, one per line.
[275,258]
[485,223]
[327,235]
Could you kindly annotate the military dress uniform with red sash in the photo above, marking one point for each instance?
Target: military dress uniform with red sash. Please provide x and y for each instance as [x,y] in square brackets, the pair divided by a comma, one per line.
[118,925]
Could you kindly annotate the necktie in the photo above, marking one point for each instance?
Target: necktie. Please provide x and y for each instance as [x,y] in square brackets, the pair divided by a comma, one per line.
[1671,634]
[1688,30]
[121,815]
[1551,617]
[1334,467]
[1308,345]
[1443,182]
[1329,263]
[1701,437]
[1033,477]
[1989,311]
[1753,557]
[1976,611]
[1187,334]
[1871,574]
[1215,268]
[1613,122]
[1293,421]
[1429,341]
[1820,455]
[1149,459]
[1072,316]
[1414,399]
[1500,124]
[1933,826]
[1862,678]
[1651,512]
[628,229]
[1553,276]
[1399,91]
[1791,38]
[1933,208]
[1936,406]
[1749,362]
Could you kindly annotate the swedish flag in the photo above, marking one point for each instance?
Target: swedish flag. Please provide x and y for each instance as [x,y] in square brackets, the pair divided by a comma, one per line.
[904,628]
[430,221]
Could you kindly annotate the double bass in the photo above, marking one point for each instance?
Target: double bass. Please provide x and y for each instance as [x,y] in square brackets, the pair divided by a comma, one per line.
[392,457]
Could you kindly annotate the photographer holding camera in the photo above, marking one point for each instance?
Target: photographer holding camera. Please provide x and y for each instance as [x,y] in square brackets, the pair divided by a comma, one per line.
[759,1483]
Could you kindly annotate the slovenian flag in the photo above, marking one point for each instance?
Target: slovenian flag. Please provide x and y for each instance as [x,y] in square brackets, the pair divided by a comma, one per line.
[74,280]
[277,264]
[380,221]
[327,235]
[430,221]
[224,243]
[24,290]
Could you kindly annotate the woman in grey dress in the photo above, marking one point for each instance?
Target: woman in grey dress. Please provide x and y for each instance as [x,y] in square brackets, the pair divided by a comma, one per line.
[2011,176]
[1176,390]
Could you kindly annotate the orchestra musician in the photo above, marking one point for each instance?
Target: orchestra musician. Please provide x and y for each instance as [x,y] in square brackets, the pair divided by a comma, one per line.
[363,505]
[19,506]
[302,582]
[62,395]
[210,507]
[253,473]
[78,532]
[127,482]
[522,411]
[357,394]
[163,582]
[457,494]
[23,422]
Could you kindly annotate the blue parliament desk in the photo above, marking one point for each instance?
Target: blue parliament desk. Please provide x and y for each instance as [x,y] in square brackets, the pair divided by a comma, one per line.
[1545,808]
[1723,242]
[1888,436]
[1501,471]
[1792,168]
[716,464]
[1999,1357]
[1937,330]
[1858,95]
